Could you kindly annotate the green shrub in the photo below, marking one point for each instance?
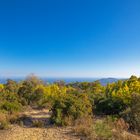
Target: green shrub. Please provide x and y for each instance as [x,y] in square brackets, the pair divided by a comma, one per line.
[110,106]
[70,107]
[10,106]
[132,114]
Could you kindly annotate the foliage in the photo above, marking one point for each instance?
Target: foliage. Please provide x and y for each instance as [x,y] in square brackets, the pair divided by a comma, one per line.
[9,102]
[132,114]
[1,87]
[72,101]
[11,86]
[10,107]
[69,108]
[110,106]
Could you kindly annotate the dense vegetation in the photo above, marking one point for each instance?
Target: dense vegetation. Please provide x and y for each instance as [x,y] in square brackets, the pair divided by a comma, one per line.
[72,103]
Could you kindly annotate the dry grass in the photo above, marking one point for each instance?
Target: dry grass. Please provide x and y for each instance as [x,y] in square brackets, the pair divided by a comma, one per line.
[38,124]
[103,129]
[3,121]
[84,127]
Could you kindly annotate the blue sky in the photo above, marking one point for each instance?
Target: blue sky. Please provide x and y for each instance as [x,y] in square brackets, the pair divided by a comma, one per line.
[75,38]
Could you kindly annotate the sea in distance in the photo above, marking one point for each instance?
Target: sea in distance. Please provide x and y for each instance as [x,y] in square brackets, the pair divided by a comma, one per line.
[50,80]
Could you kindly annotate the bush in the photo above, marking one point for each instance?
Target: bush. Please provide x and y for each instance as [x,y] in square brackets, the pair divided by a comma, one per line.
[4,125]
[84,127]
[132,114]
[110,106]
[93,129]
[10,106]
[68,108]
[38,123]
[12,118]
[110,128]
[3,121]
[1,87]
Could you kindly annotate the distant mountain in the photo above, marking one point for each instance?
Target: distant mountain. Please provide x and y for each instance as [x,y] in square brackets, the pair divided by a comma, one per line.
[105,81]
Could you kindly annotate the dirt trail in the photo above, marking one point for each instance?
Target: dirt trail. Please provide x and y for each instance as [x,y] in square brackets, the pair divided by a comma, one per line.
[20,133]
[29,133]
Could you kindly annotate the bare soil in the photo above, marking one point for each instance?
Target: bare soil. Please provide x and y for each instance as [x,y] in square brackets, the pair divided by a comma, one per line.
[27,132]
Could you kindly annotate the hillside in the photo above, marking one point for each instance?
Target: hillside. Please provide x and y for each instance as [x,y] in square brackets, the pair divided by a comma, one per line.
[32,109]
[105,81]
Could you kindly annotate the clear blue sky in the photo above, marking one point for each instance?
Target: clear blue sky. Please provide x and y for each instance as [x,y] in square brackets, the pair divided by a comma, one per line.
[70,38]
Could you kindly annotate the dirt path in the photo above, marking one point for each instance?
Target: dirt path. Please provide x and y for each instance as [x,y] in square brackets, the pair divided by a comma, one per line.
[29,133]
[19,133]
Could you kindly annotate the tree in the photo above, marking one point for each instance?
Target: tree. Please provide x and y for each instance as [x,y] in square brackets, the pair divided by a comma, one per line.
[1,87]
[11,86]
